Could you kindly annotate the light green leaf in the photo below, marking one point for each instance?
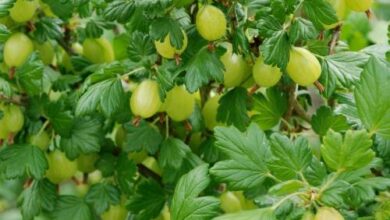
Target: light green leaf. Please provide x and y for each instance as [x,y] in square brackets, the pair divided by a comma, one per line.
[373,97]
[325,119]
[350,152]
[186,205]
[21,160]
[289,158]
[248,153]
[71,207]
[346,66]
[287,187]
[332,191]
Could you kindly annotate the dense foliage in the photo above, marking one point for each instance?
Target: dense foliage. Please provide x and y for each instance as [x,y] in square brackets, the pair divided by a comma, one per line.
[191,110]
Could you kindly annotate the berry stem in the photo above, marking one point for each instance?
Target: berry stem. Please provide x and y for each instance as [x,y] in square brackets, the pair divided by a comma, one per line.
[136,121]
[253,89]
[12,72]
[319,86]
[335,39]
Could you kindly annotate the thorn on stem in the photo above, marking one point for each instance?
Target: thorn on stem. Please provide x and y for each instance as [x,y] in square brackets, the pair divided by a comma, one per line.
[12,72]
[319,86]
[321,35]
[220,88]
[369,13]
[76,181]
[253,89]
[177,59]
[211,47]
[11,137]
[162,118]
[136,121]
[187,126]
[27,183]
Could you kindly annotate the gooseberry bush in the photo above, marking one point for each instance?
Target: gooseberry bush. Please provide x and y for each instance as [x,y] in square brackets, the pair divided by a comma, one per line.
[194,110]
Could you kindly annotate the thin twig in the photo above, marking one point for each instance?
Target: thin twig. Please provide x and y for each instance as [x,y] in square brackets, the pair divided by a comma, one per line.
[335,39]
[146,172]
[17,100]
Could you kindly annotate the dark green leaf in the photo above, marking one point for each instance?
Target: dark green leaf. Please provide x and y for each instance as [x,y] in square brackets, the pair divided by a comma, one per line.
[320,12]
[120,10]
[232,108]
[126,171]
[101,196]
[5,5]
[60,119]
[269,109]
[325,119]
[204,67]
[32,161]
[5,88]
[173,152]
[256,214]
[4,33]
[328,80]
[63,9]
[141,48]
[148,200]
[276,49]
[143,137]
[107,93]
[186,205]
[71,207]
[84,138]
[41,195]
[48,28]
[161,27]
[302,29]
[373,99]
[30,75]
[93,30]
